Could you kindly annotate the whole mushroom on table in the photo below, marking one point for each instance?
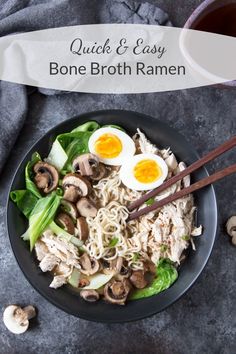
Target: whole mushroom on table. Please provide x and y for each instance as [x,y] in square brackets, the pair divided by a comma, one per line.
[231,228]
[16,318]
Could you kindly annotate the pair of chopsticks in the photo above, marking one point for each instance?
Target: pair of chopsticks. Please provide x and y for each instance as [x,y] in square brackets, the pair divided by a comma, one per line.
[228,145]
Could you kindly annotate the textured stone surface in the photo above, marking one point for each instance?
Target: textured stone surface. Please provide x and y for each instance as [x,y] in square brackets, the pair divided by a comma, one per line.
[203,321]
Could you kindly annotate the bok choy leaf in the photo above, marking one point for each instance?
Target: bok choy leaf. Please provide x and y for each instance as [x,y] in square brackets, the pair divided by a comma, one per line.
[25,201]
[68,145]
[41,216]
[166,275]
[87,127]
[30,185]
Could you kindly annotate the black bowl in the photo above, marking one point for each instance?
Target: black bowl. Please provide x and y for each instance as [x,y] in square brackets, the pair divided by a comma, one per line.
[67,300]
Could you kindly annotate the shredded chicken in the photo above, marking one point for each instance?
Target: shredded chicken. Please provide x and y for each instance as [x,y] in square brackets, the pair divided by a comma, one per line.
[49,262]
[167,233]
[58,281]
[41,250]
[54,253]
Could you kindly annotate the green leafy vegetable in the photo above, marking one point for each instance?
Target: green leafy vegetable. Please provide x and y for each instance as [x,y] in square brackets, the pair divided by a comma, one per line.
[41,216]
[30,185]
[57,155]
[25,201]
[166,275]
[90,126]
[68,145]
[113,242]
[150,201]
[114,126]
[78,145]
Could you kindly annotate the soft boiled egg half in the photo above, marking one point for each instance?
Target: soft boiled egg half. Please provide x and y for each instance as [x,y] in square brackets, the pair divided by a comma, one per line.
[143,172]
[111,145]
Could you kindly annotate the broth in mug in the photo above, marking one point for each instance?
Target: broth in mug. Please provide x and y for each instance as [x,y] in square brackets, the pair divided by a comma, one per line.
[220,21]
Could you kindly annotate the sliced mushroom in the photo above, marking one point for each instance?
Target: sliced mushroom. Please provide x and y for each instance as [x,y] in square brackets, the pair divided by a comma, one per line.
[69,208]
[112,267]
[75,186]
[149,266]
[65,221]
[99,173]
[116,291]
[125,272]
[88,165]
[88,266]
[89,295]
[16,319]
[231,228]
[86,208]
[46,176]
[138,279]
[83,230]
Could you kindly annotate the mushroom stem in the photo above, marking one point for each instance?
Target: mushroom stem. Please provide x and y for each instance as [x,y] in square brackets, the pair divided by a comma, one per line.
[30,311]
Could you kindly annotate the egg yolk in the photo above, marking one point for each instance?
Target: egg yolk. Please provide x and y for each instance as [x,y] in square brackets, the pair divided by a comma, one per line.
[147,171]
[108,146]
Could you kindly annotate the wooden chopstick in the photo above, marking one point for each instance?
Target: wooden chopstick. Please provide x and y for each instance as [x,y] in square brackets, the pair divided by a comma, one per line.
[183,192]
[229,144]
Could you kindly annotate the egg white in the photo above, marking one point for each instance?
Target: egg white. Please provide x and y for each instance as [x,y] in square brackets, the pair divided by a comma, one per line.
[127,172]
[128,146]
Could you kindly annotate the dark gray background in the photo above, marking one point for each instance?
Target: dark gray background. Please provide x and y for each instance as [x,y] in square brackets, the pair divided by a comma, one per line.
[203,321]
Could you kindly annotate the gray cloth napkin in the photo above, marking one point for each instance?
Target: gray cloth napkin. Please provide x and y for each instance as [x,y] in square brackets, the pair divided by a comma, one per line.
[30,15]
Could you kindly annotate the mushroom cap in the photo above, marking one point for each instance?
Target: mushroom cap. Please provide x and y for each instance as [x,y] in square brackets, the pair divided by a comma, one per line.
[149,266]
[89,295]
[86,208]
[46,176]
[89,165]
[15,319]
[85,164]
[113,266]
[83,229]
[124,272]
[69,208]
[88,266]
[66,222]
[231,226]
[75,186]
[138,279]
[116,291]
[99,173]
